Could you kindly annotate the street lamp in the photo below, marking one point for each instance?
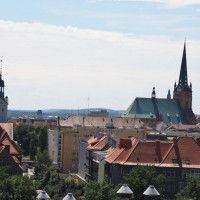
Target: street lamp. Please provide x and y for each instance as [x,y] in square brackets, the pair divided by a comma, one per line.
[151,193]
[43,195]
[69,196]
[124,192]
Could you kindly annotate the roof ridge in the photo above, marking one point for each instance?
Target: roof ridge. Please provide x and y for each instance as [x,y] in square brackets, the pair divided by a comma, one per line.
[131,151]
[164,158]
[117,149]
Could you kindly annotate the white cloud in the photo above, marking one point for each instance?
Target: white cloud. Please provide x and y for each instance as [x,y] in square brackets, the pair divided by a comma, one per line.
[47,66]
[171,3]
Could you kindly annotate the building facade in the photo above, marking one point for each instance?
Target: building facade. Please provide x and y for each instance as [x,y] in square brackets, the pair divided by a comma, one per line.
[64,141]
[175,160]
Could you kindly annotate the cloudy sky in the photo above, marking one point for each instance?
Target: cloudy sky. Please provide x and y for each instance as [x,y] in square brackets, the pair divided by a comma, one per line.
[56,54]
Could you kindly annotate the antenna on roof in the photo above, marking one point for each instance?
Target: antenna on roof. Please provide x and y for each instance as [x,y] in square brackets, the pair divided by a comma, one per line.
[88,104]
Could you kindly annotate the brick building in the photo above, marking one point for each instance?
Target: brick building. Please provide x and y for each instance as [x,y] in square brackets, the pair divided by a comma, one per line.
[174,159]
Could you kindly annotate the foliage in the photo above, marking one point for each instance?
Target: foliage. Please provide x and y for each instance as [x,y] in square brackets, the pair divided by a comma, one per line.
[42,168]
[22,134]
[192,191]
[32,149]
[29,138]
[43,138]
[139,179]
[15,187]
[98,191]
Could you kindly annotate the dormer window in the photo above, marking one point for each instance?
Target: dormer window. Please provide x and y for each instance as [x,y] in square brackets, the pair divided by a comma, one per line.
[187,162]
[174,160]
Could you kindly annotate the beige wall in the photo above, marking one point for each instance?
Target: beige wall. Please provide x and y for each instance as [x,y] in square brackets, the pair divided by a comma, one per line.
[71,138]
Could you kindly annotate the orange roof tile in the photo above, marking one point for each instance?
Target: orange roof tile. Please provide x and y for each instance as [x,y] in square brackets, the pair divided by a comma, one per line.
[178,153]
[117,122]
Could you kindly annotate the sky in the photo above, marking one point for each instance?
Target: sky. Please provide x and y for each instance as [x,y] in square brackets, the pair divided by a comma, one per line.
[69,54]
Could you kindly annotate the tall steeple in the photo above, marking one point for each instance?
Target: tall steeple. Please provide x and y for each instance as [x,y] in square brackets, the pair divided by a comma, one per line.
[1,83]
[183,79]
[168,95]
[183,92]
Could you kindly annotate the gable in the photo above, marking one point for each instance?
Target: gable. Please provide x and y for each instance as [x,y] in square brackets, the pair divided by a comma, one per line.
[184,152]
[13,147]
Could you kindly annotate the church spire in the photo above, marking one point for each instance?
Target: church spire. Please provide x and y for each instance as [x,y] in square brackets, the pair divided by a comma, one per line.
[183,79]
[168,95]
[1,83]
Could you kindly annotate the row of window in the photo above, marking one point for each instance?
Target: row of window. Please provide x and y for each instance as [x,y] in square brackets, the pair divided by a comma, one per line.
[172,174]
[74,159]
[186,172]
[75,148]
[78,136]
[74,166]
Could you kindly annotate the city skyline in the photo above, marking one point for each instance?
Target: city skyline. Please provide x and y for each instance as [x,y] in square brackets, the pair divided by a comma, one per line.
[57,54]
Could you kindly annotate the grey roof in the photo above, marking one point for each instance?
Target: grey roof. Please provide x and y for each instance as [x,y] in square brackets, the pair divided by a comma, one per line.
[151,191]
[124,190]
[168,110]
[69,196]
[43,195]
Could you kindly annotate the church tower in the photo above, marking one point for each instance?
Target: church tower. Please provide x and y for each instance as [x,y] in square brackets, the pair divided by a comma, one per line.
[3,100]
[183,92]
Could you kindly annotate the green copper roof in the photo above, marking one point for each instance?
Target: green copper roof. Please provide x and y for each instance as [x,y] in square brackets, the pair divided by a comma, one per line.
[168,110]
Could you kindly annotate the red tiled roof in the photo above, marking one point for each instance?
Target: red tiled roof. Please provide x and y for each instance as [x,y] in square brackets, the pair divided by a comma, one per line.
[180,126]
[2,148]
[99,145]
[6,140]
[117,122]
[163,154]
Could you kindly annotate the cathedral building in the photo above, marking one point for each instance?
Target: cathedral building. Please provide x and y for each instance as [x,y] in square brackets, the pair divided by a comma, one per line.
[171,111]
[3,102]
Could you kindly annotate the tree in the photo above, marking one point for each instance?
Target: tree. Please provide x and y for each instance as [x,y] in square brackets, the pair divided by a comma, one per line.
[15,187]
[192,191]
[32,149]
[99,191]
[139,179]
[23,134]
[43,138]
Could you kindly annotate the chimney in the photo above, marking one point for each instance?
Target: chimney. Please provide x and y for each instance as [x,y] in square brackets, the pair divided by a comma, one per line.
[58,122]
[125,143]
[198,141]
[175,141]
[158,151]
[7,147]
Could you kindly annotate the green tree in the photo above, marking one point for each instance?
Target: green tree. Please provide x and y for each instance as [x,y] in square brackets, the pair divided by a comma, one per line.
[192,191]
[23,134]
[32,149]
[139,179]
[99,191]
[43,138]
[15,187]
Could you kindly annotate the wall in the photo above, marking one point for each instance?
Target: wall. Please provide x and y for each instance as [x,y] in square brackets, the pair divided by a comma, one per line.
[71,138]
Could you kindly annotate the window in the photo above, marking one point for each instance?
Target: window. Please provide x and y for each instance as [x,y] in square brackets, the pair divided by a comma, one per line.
[187,162]
[174,161]
[74,141]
